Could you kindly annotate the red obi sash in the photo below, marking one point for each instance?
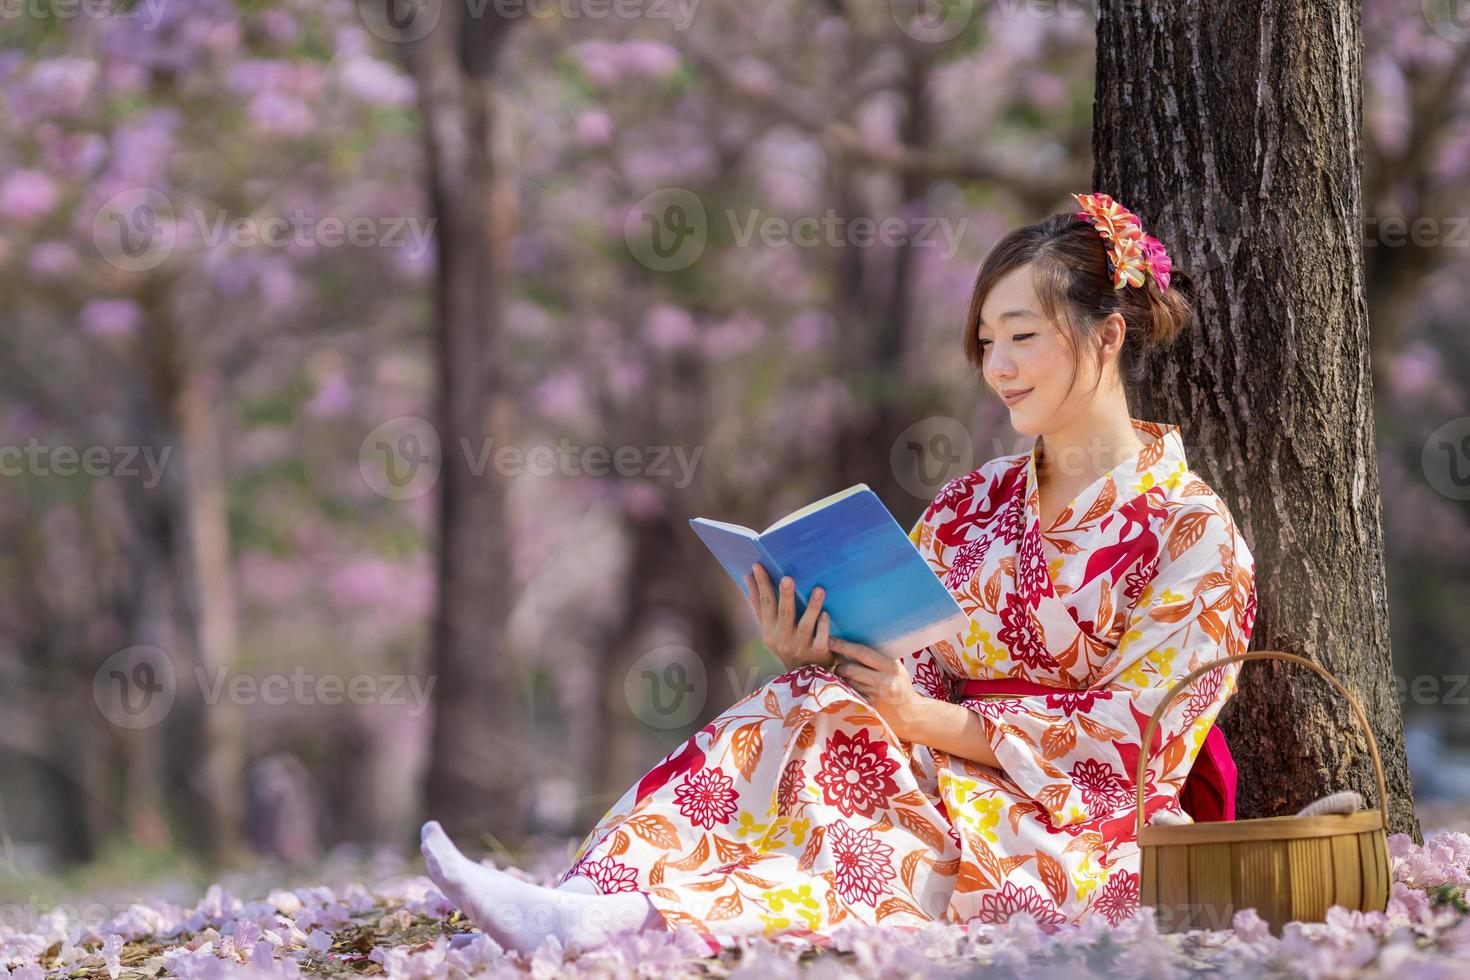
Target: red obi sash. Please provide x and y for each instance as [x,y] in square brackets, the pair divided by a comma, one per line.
[1208,794]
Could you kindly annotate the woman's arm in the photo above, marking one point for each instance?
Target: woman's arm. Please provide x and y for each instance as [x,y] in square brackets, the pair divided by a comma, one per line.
[951,728]
[914,717]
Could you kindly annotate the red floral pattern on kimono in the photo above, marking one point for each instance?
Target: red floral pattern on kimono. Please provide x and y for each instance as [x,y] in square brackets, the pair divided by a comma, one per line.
[799,809]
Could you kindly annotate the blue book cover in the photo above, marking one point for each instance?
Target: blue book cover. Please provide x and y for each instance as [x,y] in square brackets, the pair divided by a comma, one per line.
[880,591]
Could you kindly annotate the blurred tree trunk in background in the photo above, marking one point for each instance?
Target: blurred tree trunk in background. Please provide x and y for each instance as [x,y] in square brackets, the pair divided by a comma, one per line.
[479,765]
[878,303]
[1410,181]
[208,593]
[1235,135]
[204,748]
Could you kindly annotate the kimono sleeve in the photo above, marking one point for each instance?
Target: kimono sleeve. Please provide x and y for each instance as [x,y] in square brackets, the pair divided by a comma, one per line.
[1077,753]
[929,671]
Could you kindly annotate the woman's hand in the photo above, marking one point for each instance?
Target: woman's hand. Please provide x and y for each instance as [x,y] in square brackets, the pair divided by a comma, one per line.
[795,644]
[882,681]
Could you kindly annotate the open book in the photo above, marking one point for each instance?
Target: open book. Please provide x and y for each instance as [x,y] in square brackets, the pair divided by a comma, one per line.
[880,591]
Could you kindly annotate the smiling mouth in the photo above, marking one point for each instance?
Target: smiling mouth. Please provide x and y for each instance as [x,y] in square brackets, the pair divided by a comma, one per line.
[1012,399]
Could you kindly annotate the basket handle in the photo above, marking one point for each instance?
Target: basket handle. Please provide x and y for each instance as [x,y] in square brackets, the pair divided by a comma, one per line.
[1187,679]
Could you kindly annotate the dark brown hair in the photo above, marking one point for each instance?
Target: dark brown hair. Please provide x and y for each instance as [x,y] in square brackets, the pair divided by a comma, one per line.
[1075,289]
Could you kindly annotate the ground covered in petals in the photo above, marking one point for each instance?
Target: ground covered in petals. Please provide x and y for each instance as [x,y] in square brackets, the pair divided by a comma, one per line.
[402,926]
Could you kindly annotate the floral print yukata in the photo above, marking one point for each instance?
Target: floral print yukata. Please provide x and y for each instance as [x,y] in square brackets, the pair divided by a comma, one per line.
[799,809]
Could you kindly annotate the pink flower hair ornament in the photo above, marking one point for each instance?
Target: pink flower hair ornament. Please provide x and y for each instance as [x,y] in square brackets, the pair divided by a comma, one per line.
[1131,253]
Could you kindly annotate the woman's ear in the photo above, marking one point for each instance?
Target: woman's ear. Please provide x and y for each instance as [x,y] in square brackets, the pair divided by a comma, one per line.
[1114,330]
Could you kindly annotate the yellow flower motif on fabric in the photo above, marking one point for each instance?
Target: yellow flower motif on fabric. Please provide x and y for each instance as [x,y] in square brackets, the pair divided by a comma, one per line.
[805,906]
[980,638]
[1197,734]
[1162,659]
[774,923]
[748,825]
[800,896]
[960,786]
[984,816]
[779,827]
[1135,675]
[1175,478]
[976,634]
[1088,876]
[1142,486]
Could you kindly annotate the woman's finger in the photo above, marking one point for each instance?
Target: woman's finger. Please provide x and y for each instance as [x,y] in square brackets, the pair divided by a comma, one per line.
[862,654]
[786,607]
[821,642]
[766,599]
[805,629]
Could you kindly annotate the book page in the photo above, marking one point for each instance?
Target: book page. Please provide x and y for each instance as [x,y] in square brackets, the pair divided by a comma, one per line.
[816,506]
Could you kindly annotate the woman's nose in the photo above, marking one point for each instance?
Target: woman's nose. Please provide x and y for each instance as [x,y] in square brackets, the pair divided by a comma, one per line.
[1002,367]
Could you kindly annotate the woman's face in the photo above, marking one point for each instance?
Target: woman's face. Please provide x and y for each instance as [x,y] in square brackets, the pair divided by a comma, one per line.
[1020,349]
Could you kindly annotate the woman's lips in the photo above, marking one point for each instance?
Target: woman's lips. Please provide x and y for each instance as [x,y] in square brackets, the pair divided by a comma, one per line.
[1012,399]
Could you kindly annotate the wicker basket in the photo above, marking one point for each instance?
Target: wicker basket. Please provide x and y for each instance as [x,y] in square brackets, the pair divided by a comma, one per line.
[1289,869]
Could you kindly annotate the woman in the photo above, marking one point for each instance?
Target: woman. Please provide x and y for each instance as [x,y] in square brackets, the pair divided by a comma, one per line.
[855,788]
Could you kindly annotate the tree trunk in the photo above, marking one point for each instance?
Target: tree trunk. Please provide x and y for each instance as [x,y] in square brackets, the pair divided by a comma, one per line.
[478,767]
[207,588]
[1234,133]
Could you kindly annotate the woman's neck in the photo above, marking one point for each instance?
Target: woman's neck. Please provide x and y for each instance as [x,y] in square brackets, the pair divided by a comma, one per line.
[1081,455]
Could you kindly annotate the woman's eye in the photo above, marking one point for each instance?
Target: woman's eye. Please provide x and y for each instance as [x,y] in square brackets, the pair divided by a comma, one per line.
[1024,336]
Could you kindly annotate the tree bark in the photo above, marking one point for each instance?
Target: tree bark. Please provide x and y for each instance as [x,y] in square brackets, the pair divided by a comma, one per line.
[477,772]
[1233,130]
